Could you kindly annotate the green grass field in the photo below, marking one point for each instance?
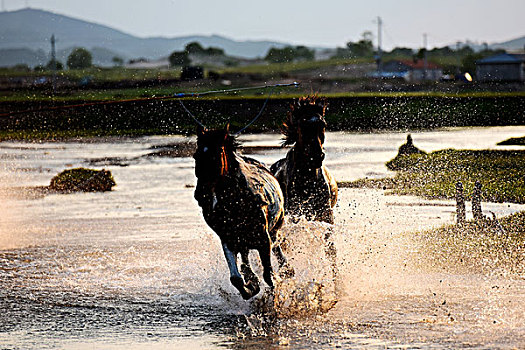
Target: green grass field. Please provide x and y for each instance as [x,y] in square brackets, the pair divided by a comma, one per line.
[98,73]
[282,93]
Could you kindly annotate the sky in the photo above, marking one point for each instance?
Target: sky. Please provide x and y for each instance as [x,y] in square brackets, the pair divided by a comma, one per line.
[320,23]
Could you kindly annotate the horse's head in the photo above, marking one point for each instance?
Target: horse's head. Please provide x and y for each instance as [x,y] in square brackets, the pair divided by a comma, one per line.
[305,127]
[214,155]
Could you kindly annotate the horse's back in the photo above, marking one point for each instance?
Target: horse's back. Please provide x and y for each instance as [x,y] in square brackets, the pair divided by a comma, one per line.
[262,183]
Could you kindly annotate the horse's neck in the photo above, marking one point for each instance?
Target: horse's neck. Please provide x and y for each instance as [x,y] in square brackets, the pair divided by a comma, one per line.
[222,183]
[296,167]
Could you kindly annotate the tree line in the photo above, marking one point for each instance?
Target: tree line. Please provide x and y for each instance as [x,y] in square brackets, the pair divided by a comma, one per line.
[463,58]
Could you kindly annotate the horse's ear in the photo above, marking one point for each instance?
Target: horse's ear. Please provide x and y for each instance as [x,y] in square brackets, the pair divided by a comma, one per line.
[226,130]
[200,130]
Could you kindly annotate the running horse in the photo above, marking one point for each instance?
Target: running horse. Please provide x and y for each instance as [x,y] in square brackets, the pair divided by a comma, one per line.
[308,187]
[242,202]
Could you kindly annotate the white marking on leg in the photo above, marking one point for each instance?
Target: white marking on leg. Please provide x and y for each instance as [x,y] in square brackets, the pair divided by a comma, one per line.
[215,201]
[231,259]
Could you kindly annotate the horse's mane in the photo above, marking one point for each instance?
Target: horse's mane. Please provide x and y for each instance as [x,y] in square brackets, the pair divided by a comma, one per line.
[228,142]
[231,144]
[301,109]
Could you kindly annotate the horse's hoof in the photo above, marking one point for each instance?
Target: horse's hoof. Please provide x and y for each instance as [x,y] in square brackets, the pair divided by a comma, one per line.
[248,290]
[253,288]
[268,278]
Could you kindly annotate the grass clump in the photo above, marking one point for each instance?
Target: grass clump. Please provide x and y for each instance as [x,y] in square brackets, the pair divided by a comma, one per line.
[434,175]
[486,246]
[82,180]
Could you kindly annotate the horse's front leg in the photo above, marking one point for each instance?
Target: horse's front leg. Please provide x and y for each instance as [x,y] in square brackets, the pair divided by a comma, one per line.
[285,270]
[266,261]
[252,282]
[235,277]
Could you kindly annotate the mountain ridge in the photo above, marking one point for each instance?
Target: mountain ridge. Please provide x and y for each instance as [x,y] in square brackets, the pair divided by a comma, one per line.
[29,31]
[32,29]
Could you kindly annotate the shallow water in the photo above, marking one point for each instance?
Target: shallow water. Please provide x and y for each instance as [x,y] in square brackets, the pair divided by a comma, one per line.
[138,266]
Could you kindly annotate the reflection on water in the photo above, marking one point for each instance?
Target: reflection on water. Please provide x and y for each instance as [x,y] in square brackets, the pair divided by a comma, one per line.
[138,266]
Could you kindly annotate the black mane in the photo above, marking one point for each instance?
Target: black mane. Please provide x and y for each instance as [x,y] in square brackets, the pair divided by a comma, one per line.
[301,109]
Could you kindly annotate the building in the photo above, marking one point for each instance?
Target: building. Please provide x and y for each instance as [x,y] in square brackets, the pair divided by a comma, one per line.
[501,67]
[412,70]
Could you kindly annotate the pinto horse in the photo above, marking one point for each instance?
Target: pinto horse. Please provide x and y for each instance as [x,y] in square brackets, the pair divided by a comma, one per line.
[242,202]
[308,187]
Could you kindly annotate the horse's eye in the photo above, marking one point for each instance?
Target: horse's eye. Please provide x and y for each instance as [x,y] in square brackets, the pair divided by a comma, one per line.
[205,149]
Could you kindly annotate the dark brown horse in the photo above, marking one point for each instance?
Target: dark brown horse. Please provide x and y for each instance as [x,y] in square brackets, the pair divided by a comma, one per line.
[242,202]
[308,187]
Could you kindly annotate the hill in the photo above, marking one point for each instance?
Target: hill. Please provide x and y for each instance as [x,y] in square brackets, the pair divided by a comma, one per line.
[31,29]
[511,45]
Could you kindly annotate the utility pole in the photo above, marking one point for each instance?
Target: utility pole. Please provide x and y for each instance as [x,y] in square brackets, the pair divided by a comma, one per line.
[53,62]
[379,39]
[425,64]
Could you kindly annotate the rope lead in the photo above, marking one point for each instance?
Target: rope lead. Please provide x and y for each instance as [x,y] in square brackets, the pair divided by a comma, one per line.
[197,94]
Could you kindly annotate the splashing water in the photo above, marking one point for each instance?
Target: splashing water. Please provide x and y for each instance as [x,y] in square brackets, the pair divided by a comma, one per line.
[138,266]
[311,290]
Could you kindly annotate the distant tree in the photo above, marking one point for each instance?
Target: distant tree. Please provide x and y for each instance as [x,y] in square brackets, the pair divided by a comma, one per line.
[304,53]
[289,54]
[194,48]
[214,51]
[362,48]
[421,53]
[80,58]
[179,58]
[276,55]
[117,61]
[56,65]
[401,51]
[441,51]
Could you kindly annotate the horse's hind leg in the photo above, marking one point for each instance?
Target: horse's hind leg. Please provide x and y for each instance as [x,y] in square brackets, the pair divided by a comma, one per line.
[266,261]
[285,270]
[252,282]
[235,277]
